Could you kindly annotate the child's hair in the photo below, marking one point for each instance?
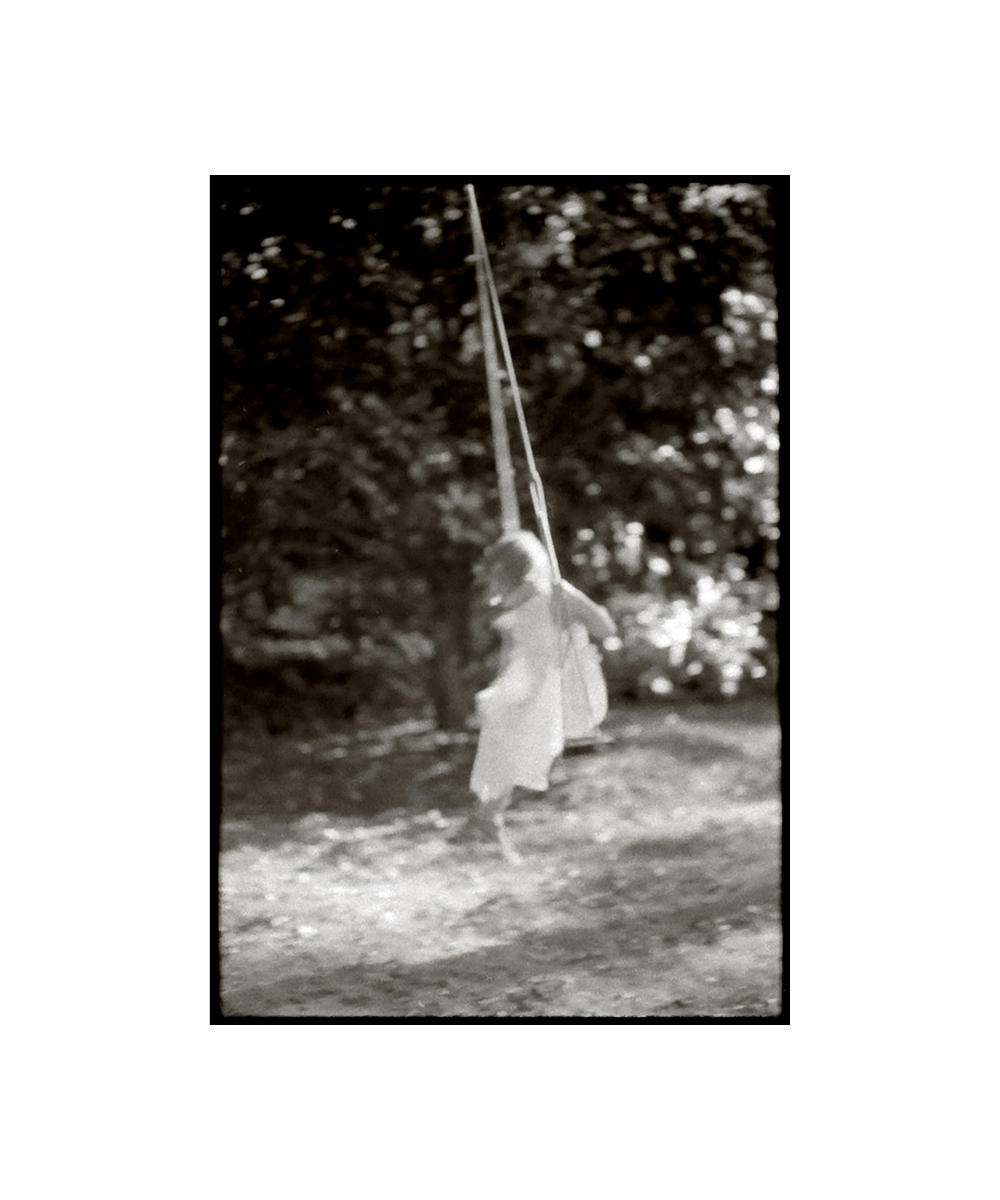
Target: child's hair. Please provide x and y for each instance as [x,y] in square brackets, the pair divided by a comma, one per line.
[515,558]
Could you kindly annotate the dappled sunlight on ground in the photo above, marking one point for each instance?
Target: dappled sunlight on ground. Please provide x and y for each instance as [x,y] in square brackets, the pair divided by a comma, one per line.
[649,887]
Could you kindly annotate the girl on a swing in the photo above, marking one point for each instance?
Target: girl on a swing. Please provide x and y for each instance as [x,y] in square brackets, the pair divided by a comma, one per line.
[550,685]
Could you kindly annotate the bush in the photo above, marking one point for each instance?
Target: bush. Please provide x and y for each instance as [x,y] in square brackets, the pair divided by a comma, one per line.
[712,642]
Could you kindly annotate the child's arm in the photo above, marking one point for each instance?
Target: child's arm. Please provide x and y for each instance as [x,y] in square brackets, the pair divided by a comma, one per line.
[524,666]
[593,617]
[515,685]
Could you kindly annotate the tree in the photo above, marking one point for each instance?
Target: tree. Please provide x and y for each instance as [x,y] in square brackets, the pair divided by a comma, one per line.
[356,438]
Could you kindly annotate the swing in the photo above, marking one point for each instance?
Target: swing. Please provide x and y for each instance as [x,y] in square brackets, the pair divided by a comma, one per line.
[491,322]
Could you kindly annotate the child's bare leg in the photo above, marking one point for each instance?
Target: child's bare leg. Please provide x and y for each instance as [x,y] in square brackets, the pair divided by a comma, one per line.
[496,810]
[488,817]
[481,820]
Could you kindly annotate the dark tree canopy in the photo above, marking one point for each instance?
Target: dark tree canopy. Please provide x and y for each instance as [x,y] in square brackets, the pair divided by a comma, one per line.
[357,470]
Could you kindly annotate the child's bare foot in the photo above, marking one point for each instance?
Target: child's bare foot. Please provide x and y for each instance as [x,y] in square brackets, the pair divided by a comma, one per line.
[508,851]
[507,848]
[481,825]
[477,827]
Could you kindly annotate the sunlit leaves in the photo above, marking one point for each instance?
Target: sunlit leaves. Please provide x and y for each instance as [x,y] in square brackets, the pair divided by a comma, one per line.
[642,324]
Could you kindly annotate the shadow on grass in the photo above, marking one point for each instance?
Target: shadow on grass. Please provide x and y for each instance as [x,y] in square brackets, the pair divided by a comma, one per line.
[269,785]
[282,782]
[663,849]
[629,929]
[533,973]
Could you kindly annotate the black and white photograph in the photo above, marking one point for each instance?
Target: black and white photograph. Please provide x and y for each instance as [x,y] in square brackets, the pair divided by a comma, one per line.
[500,598]
[554,607]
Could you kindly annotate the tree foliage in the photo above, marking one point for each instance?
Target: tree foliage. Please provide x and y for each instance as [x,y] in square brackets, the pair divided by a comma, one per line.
[356,463]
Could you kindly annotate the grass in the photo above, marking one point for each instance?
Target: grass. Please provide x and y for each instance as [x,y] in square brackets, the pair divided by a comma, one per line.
[650,884]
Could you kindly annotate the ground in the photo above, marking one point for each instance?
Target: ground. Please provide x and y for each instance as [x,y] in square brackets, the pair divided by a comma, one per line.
[650,884]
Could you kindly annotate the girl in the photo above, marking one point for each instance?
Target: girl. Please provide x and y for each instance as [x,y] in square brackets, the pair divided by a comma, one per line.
[550,685]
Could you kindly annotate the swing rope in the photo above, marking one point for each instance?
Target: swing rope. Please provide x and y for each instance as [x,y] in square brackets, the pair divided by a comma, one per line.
[501,446]
[510,516]
[505,470]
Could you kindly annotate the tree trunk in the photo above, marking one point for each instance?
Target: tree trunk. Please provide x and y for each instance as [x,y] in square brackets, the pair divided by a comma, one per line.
[448,688]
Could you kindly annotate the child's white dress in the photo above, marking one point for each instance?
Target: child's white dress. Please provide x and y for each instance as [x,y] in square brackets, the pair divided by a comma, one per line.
[550,687]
